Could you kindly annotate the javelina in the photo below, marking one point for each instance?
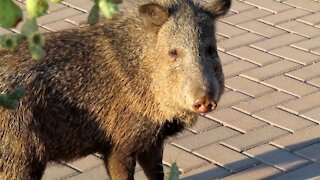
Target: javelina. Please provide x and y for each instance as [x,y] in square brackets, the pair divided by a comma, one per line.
[118,88]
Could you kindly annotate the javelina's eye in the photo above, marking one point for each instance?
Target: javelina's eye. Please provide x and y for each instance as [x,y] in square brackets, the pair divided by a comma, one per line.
[210,51]
[174,53]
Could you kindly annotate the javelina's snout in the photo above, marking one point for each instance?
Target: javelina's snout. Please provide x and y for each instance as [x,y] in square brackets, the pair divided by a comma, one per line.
[204,104]
[202,93]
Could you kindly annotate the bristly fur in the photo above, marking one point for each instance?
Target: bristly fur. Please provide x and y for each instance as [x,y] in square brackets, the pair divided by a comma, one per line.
[97,90]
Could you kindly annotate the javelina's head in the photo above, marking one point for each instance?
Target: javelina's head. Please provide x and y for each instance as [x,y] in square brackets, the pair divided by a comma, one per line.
[186,70]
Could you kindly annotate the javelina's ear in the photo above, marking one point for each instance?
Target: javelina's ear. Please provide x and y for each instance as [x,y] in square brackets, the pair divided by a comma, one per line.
[153,15]
[219,7]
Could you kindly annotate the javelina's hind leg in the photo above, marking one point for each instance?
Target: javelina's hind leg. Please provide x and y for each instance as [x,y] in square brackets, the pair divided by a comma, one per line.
[120,166]
[151,162]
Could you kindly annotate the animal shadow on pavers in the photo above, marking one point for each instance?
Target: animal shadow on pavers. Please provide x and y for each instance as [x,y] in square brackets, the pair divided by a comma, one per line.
[267,161]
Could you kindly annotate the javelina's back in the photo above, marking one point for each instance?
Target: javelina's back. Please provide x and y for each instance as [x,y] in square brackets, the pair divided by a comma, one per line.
[118,89]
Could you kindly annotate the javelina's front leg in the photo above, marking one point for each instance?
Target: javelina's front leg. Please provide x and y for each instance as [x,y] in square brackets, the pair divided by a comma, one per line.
[151,162]
[120,166]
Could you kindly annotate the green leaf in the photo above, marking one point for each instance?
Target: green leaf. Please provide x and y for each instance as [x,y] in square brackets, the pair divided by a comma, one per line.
[11,101]
[37,53]
[17,94]
[93,17]
[174,173]
[10,14]
[36,40]
[108,8]
[30,27]
[55,1]
[8,103]
[10,42]
[36,8]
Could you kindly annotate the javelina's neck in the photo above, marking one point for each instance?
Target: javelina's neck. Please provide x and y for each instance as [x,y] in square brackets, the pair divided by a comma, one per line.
[127,41]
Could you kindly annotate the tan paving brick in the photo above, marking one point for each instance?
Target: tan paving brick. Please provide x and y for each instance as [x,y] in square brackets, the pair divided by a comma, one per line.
[262,171]
[282,119]
[312,19]
[308,45]
[313,115]
[140,175]
[296,55]
[299,139]
[138,167]
[306,73]
[54,170]
[55,7]
[58,15]
[236,120]
[246,16]
[316,51]
[83,5]
[310,152]
[207,172]
[237,41]
[86,163]
[204,124]
[315,82]
[205,138]
[261,28]
[307,5]
[18,28]
[20,4]
[290,85]
[78,19]
[226,58]
[174,154]
[277,42]
[284,16]
[263,102]
[238,6]
[4,31]
[183,134]
[276,157]
[269,5]
[254,138]
[253,55]
[229,13]
[97,173]
[271,70]
[232,98]
[220,38]
[306,172]
[236,67]
[300,28]
[234,161]
[303,104]
[246,86]
[228,30]
[59,25]
[226,90]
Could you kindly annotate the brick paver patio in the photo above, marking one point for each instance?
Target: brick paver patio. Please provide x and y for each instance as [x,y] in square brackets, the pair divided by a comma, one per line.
[268,122]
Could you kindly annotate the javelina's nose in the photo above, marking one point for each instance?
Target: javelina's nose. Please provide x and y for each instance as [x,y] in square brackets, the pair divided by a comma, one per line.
[204,104]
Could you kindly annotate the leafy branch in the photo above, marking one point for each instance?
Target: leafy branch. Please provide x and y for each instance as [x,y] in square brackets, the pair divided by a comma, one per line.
[11,15]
